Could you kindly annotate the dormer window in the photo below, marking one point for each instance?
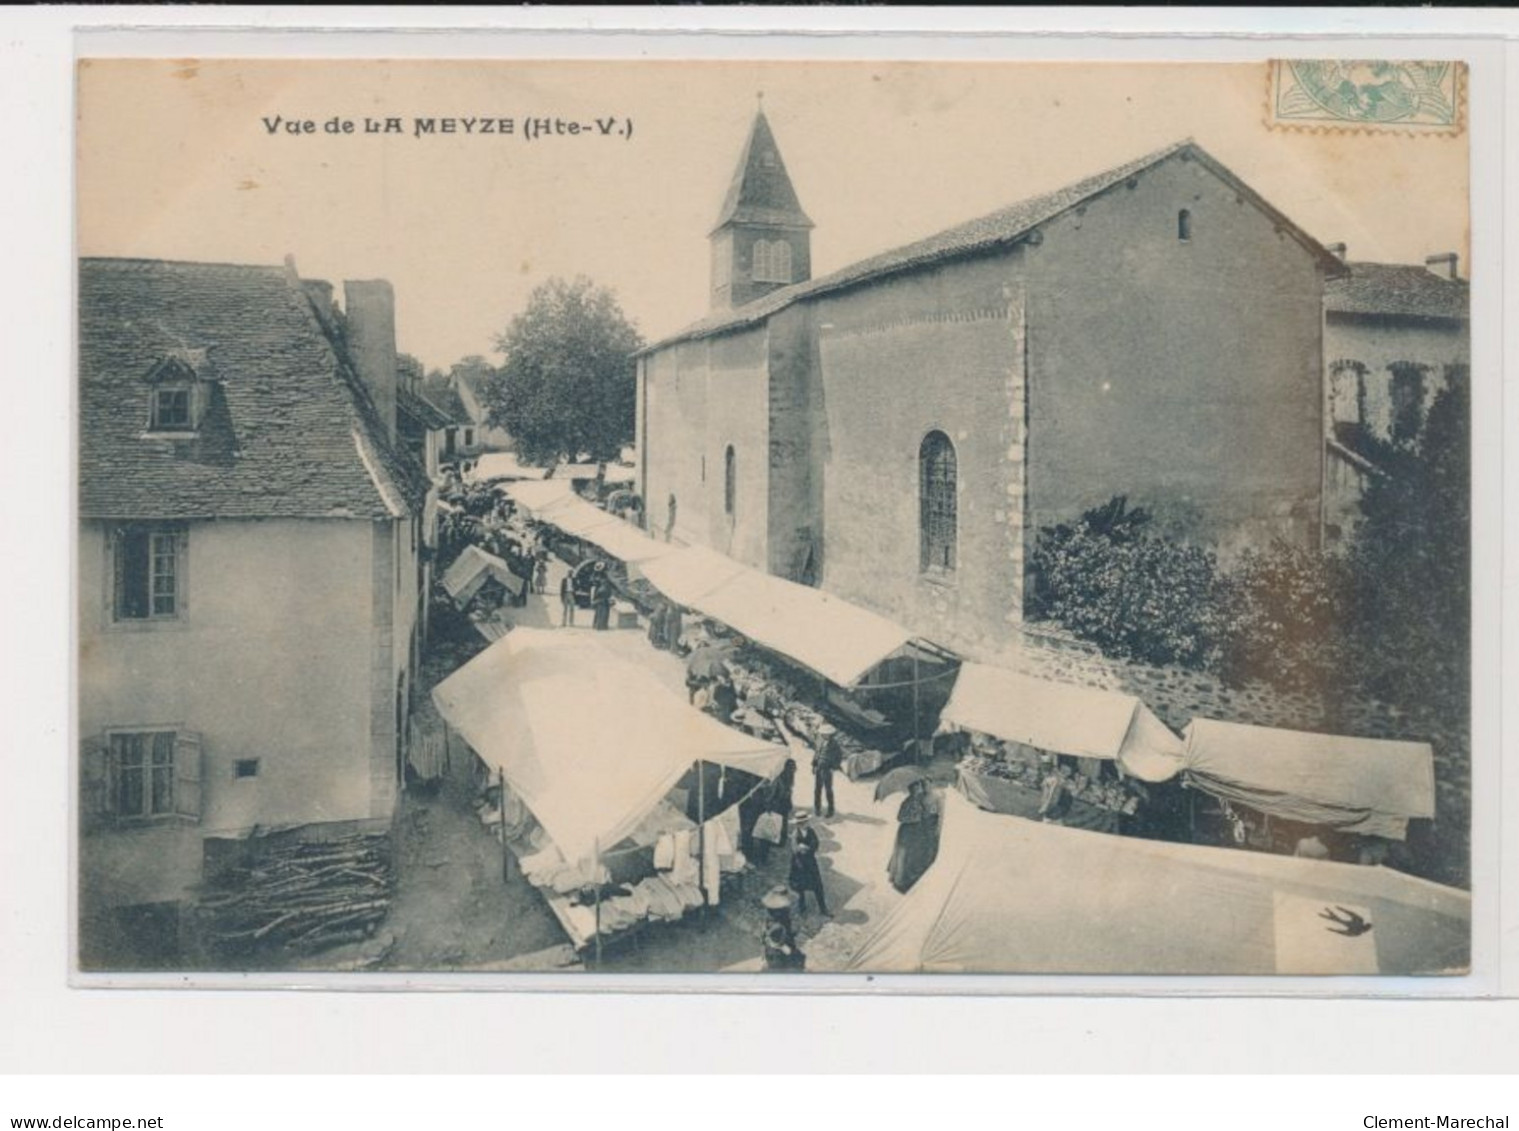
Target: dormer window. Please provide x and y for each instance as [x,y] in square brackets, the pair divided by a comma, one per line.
[171,409]
[178,390]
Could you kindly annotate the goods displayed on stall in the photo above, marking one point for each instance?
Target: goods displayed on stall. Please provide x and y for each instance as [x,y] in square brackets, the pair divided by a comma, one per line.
[1274,788]
[834,654]
[302,896]
[1018,897]
[618,796]
[1054,751]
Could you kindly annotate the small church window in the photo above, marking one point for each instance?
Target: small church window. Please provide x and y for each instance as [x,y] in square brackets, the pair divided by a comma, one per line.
[772,261]
[730,482]
[1184,225]
[938,506]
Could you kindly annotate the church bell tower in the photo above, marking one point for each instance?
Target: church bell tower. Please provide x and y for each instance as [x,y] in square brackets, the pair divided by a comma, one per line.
[762,240]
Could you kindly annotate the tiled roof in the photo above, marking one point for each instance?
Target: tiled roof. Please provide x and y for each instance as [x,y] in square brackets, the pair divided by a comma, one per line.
[440,392]
[1399,290]
[1002,228]
[421,410]
[761,191]
[289,430]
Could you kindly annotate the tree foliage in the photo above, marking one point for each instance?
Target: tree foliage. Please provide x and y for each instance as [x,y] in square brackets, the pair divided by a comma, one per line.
[1412,559]
[1282,617]
[1390,618]
[567,387]
[1128,592]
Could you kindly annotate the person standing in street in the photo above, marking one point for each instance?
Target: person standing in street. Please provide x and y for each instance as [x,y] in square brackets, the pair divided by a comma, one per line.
[827,759]
[917,841]
[806,872]
[601,599]
[566,602]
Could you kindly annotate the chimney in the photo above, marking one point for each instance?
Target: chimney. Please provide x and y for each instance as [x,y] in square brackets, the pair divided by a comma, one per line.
[1444,264]
[370,307]
[1338,250]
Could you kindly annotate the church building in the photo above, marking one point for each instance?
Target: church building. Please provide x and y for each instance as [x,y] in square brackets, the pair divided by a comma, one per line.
[899,430]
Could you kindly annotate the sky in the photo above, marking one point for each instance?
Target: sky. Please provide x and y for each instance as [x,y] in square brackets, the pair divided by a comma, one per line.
[175,160]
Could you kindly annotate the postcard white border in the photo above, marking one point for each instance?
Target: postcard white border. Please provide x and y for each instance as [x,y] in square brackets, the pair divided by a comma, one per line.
[36,827]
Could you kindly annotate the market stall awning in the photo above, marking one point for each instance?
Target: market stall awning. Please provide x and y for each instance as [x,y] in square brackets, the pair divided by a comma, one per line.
[691,573]
[834,638]
[1062,718]
[492,466]
[627,543]
[472,568]
[1362,785]
[580,519]
[614,473]
[590,741]
[1023,897]
[539,498]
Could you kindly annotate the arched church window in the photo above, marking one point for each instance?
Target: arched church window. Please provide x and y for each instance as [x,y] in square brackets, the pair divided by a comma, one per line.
[1184,225]
[938,505]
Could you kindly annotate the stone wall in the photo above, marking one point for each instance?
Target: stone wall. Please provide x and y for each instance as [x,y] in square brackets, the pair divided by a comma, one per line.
[935,351]
[1185,373]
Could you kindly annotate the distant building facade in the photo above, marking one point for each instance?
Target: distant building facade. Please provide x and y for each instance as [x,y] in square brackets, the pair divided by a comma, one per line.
[898,431]
[1395,336]
[250,570]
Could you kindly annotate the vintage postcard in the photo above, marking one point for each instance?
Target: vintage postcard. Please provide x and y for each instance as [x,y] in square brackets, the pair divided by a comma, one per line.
[773,518]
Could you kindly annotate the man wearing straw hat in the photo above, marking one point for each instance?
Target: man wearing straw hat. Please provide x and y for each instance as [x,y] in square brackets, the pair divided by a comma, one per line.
[781,951]
[806,875]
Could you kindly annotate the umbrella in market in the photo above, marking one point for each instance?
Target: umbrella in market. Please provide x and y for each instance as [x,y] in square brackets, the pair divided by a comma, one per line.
[707,662]
[898,781]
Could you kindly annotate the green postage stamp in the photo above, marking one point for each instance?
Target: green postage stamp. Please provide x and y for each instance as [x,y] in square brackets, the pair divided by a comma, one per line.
[1370,95]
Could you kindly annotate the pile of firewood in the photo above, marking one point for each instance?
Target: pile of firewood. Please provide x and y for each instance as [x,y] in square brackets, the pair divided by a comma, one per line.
[302,896]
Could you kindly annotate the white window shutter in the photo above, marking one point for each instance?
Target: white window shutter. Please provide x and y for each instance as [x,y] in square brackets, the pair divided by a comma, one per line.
[188,756]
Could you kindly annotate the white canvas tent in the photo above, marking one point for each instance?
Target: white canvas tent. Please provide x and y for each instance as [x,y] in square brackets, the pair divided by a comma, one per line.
[590,741]
[1062,718]
[471,569]
[1362,785]
[834,638]
[1023,897]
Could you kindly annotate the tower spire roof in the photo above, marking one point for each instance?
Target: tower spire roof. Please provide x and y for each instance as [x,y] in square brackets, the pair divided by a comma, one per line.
[761,191]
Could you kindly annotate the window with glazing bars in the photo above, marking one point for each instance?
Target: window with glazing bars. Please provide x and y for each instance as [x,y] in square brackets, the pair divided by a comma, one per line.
[938,511]
[142,774]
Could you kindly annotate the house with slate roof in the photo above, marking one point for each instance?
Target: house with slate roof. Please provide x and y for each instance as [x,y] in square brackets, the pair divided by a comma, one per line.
[898,431]
[250,569]
[1395,335]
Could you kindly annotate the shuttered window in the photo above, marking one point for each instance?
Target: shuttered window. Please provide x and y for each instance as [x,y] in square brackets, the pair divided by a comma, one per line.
[143,774]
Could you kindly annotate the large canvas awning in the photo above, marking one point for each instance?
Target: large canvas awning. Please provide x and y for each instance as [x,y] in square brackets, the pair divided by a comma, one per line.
[1062,718]
[834,638]
[538,499]
[1363,785]
[580,519]
[492,466]
[691,573]
[1023,897]
[590,741]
